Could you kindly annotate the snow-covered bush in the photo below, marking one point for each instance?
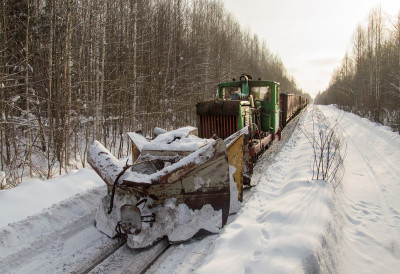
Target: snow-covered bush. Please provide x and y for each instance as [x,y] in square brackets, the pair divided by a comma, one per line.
[329,148]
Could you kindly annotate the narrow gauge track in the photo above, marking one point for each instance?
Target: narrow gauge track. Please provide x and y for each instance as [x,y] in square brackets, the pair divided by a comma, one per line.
[104,256]
[140,261]
[116,258]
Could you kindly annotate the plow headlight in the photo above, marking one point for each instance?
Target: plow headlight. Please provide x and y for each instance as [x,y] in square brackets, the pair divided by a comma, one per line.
[243,78]
[131,219]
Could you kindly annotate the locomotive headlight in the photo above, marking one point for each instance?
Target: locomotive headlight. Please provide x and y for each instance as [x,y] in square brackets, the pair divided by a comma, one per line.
[244,78]
[131,219]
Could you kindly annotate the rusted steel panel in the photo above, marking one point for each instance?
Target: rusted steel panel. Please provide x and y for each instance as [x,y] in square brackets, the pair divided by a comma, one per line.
[135,152]
[218,117]
[195,184]
[258,145]
[208,124]
[291,104]
[200,181]
[226,123]
[232,126]
[218,107]
[222,126]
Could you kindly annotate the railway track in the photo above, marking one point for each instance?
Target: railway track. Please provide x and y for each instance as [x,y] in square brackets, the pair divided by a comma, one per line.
[104,256]
[140,261]
[115,260]
[119,258]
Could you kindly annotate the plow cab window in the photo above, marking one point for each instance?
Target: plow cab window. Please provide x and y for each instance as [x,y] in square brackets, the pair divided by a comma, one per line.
[261,93]
[231,93]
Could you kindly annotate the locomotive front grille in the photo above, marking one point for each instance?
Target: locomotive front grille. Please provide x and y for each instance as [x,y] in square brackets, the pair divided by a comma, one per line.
[221,125]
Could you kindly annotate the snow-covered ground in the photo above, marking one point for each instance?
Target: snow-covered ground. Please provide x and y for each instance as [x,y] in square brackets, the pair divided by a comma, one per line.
[290,223]
[293,224]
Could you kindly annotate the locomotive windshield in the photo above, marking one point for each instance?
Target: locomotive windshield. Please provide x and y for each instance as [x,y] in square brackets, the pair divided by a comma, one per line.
[231,93]
[261,93]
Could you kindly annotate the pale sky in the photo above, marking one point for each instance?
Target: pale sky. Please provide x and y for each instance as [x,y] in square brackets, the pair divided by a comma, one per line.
[310,36]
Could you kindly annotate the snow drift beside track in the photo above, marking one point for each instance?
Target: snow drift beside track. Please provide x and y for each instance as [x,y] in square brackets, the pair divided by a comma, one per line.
[281,227]
[294,225]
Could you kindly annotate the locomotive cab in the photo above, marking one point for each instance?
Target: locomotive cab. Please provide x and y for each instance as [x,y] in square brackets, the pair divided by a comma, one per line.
[243,103]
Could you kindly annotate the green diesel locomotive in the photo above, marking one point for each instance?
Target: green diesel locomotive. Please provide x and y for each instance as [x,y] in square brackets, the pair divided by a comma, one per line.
[254,104]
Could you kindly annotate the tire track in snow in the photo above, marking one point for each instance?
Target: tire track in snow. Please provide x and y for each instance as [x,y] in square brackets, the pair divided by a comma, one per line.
[382,171]
[371,192]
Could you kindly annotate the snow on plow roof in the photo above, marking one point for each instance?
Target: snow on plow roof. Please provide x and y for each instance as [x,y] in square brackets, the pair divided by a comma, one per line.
[138,139]
[195,151]
[198,157]
[182,139]
[190,143]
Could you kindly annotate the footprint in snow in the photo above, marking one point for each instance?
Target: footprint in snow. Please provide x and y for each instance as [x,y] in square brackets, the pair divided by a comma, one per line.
[256,256]
[265,234]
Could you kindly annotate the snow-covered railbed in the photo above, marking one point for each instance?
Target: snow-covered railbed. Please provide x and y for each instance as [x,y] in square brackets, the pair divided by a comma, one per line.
[47,226]
[281,227]
[370,196]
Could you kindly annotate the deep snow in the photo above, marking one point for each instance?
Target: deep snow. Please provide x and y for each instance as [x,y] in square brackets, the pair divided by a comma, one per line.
[289,224]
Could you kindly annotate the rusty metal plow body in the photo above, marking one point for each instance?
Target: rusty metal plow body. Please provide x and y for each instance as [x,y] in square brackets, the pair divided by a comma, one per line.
[180,200]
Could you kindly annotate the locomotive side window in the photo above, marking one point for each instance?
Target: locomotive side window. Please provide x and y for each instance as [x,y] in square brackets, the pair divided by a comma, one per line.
[261,93]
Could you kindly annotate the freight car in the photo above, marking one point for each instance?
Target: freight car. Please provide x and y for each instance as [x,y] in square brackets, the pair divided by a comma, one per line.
[291,105]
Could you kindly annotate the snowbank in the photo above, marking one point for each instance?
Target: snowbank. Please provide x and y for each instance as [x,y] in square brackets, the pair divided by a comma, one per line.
[33,196]
[293,225]
[369,196]
[282,224]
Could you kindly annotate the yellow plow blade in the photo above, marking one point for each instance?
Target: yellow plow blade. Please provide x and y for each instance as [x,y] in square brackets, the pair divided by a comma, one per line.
[235,159]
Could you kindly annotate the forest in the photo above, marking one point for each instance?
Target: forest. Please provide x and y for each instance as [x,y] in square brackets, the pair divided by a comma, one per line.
[368,81]
[72,71]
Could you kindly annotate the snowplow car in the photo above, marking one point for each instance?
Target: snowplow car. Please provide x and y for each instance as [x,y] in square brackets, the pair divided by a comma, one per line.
[178,187]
